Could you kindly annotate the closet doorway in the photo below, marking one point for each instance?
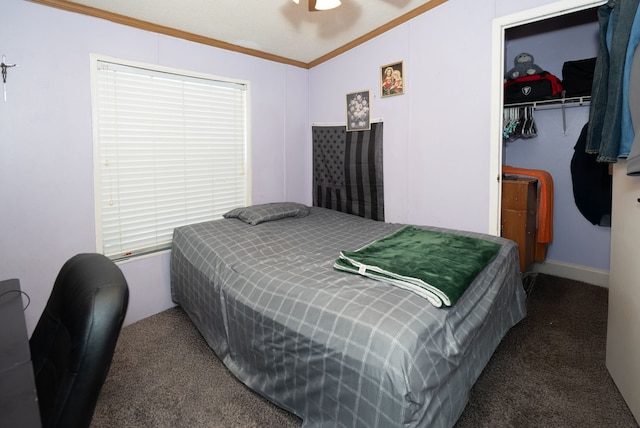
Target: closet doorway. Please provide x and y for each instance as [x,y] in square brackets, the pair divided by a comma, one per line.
[623,347]
[533,30]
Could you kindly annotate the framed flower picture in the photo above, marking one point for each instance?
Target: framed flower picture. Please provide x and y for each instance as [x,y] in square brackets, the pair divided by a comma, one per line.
[358,111]
[392,79]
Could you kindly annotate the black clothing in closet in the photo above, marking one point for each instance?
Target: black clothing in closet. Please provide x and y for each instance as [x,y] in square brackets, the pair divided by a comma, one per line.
[591,183]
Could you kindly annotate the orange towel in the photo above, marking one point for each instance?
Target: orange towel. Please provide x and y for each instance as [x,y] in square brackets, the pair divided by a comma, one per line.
[545,206]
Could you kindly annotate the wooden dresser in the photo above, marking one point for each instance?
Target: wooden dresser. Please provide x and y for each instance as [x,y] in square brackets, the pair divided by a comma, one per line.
[519,216]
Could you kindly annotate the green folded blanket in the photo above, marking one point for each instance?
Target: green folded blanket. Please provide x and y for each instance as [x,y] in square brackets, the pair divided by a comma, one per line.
[438,266]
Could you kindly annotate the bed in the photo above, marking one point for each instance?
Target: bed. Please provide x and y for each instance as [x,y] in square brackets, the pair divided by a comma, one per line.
[336,348]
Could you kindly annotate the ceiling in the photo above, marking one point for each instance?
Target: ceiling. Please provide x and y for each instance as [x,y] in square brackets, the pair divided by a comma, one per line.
[276,29]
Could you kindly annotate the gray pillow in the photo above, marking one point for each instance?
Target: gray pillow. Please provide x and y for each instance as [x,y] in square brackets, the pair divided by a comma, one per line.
[256,214]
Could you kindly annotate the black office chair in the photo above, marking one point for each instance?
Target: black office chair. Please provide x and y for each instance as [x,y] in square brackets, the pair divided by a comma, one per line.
[73,343]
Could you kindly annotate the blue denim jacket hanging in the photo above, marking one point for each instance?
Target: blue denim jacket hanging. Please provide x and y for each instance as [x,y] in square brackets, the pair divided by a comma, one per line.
[627,131]
[605,114]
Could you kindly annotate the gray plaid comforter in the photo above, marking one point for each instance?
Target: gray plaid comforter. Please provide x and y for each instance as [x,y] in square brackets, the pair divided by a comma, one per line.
[334,348]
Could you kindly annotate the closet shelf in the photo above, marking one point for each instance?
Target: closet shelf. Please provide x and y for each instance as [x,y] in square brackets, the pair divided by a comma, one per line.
[555,103]
[562,103]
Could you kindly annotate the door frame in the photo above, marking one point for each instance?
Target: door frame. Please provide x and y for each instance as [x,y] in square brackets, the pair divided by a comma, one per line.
[500,25]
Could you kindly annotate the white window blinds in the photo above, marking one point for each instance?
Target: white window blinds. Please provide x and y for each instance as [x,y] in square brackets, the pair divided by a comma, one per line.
[171,150]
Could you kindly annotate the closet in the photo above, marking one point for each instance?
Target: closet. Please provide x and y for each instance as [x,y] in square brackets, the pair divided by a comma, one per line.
[577,242]
[577,245]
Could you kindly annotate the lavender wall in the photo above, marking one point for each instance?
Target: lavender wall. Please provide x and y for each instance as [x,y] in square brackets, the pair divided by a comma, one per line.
[437,140]
[46,145]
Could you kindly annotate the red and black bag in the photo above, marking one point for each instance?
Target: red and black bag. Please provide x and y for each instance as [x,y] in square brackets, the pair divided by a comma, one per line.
[537,87]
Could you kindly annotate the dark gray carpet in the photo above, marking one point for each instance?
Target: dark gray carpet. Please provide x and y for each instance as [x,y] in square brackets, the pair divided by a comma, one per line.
[548,372]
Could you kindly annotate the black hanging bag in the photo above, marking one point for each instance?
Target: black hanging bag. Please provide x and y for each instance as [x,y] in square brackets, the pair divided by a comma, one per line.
[536,87]
[577,77]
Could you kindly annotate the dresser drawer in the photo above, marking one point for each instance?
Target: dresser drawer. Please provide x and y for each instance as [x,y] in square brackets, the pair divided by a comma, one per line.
[519,216]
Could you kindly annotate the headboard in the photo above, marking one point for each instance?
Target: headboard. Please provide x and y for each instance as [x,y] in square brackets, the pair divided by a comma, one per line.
[347,170]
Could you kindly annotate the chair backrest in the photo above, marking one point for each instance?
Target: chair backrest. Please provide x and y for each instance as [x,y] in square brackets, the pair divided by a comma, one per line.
[73,343]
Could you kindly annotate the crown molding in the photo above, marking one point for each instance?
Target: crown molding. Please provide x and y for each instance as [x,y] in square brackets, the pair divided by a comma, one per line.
[160,29]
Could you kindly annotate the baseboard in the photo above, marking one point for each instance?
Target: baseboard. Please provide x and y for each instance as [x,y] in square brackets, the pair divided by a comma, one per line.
[576,272]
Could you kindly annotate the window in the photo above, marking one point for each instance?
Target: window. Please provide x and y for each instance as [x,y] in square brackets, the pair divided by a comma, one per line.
[170,149]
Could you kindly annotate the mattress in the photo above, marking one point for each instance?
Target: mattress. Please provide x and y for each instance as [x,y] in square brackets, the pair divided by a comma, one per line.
[334,348]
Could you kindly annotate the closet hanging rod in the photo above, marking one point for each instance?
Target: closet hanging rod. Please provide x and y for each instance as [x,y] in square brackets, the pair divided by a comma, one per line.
[555,103]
